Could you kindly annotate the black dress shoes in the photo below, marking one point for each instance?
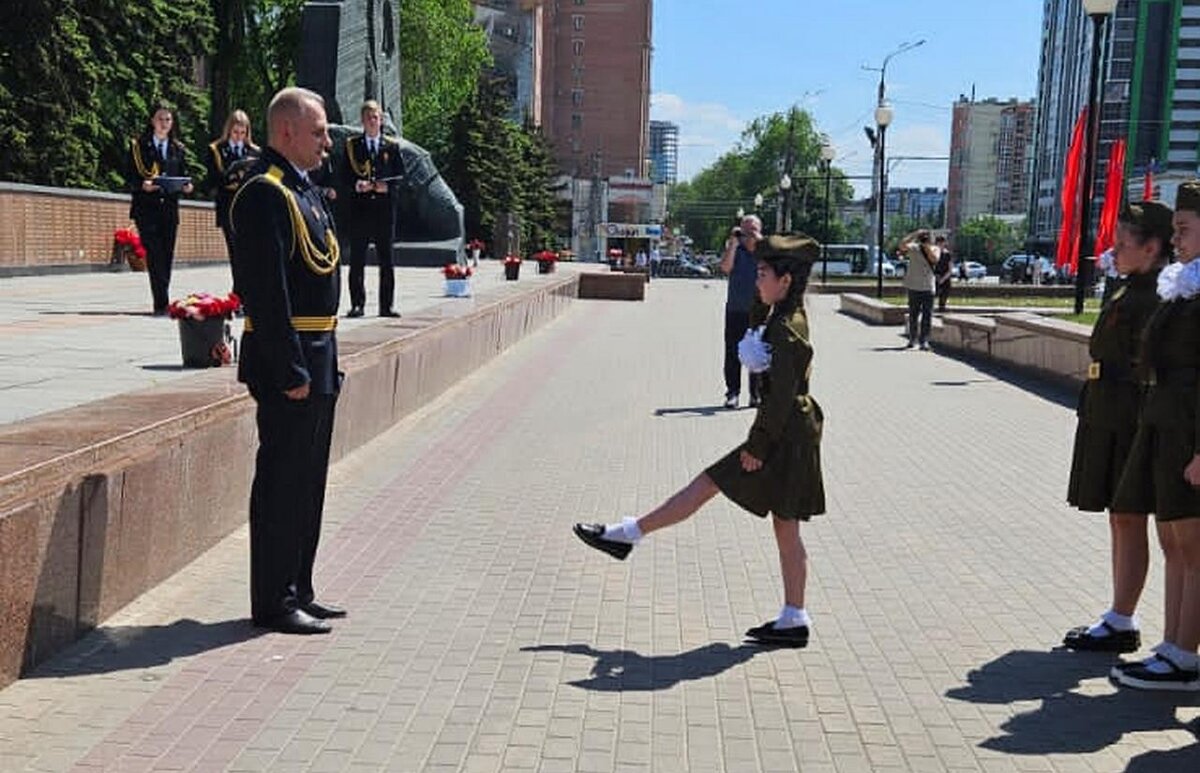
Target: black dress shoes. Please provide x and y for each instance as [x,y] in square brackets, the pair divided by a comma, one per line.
[355,311]
[296,622]
[323,611]
[593,534]
[388,313]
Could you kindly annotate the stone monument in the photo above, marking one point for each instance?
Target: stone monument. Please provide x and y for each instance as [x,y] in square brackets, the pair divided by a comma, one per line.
[349,53]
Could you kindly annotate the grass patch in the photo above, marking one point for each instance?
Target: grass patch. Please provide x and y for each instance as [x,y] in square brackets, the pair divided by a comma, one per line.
[1091,305]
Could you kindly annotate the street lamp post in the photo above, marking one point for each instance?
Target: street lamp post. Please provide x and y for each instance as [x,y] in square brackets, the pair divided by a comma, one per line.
[827,155]
[785,188]
[1098,11]
[881,174]
[883,118]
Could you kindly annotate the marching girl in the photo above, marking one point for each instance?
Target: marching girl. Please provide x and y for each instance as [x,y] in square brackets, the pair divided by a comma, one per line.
[776,472]
[1162,475]
[1108,413]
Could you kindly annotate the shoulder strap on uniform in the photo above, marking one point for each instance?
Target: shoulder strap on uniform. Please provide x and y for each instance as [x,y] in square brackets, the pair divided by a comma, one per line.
[216,153]
[147,172]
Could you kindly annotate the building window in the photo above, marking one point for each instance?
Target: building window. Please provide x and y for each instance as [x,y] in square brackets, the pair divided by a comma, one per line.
[577,97]
[577,74]
[576,120]
[579,2]
[577,46]
[577,22]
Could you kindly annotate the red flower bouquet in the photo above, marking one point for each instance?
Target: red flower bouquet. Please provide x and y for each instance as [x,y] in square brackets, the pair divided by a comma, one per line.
[510,260]
[546,260]
[201,306]
[457,271]
[512,267]
[128,248]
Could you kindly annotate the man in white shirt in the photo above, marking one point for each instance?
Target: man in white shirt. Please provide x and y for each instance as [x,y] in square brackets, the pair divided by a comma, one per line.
[919,281]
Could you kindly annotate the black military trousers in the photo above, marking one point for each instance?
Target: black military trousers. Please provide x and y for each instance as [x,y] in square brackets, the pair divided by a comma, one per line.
[227,232]
[287,499]
[736,325]
[157,231]
[372,223]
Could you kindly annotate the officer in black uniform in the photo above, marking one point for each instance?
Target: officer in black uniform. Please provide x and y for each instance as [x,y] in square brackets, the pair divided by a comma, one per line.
[371,160]
[285,261]
[155,205]
[229,158]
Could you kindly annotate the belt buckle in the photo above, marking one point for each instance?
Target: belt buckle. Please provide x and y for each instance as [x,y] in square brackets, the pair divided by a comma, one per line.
[1093,371]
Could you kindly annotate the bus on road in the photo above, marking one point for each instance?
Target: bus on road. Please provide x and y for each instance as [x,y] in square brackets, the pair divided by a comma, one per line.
[851,260]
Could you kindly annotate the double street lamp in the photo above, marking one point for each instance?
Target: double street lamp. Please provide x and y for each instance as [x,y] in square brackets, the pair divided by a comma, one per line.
[1098,11]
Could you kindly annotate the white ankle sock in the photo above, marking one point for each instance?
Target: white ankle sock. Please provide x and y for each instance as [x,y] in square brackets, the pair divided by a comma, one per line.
[792,617]
[625,531]
[1188,661]
[1117,621]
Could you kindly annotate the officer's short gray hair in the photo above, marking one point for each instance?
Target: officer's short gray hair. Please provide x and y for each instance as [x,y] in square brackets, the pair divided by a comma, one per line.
[289,104]
[755,220]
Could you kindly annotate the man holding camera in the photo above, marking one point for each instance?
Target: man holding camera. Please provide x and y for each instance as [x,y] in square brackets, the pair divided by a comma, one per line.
[742,307]
[919,280]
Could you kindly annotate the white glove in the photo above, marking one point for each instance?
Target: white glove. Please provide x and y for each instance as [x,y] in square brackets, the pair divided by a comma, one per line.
[753,352]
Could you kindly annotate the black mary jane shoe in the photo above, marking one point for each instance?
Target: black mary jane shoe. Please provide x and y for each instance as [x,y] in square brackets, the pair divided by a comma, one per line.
[1115,641]
[795,637]
[355,312]
[593,535]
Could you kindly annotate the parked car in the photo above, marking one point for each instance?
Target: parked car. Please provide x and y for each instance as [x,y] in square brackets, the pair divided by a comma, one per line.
[889,269]
[973,269]
[1016,269]
[687,267]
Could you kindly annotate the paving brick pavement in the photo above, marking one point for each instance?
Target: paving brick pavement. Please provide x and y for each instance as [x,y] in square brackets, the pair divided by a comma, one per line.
[484,637]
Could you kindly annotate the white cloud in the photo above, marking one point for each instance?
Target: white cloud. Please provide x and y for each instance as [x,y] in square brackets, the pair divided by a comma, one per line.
[706,129]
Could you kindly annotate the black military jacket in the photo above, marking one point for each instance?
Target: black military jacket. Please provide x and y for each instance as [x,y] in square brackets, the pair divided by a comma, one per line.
[362,165]
[226,173]
[143,163]
[285,262]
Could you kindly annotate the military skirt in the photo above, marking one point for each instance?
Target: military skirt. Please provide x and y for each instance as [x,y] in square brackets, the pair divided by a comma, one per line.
[789,484]
[1164,445]
[1103,439]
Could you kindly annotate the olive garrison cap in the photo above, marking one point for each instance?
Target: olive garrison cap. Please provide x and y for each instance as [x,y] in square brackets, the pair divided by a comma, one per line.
[792,246]
[1152,218]
[1189,196]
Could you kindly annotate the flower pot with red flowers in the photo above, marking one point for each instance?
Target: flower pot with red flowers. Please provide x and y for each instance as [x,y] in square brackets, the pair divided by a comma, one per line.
[205,336]
[546,260]
[512,267]
[458,280]
[128,249]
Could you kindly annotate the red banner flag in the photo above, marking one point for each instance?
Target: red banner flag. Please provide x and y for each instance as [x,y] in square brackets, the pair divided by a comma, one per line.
[1067,253]
[1148,183]
[1106,233]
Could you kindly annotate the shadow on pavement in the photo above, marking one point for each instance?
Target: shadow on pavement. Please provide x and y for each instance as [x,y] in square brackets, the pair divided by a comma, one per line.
[166,368]
[1072,723]
[699,410]
[123,648]
[1052,391]
[629,671]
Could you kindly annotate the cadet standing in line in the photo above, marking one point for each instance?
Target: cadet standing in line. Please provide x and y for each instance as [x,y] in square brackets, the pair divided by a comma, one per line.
[285,260]
[777,471]
[225,173]
[371,159]
[153,155]
[1162,474]
[1108,413]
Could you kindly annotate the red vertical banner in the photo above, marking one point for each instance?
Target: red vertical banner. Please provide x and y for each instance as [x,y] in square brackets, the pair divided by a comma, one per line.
[1106,233]
[1067,253]
[1148,182]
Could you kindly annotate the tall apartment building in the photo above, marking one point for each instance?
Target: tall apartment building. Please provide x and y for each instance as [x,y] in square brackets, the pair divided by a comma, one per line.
[664,152]
[1150,65]
[990,142]
[926,205]
[596,103]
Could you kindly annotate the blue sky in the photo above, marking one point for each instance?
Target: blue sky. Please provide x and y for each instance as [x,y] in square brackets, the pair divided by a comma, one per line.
[717,64]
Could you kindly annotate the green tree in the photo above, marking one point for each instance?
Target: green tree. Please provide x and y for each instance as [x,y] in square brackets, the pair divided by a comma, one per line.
[705,207]
[78,78]
[443,55]
[987,239]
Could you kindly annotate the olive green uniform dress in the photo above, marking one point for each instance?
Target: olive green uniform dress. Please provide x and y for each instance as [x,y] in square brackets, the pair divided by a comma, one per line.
[1167,437]
[1110,400]
[786,434]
